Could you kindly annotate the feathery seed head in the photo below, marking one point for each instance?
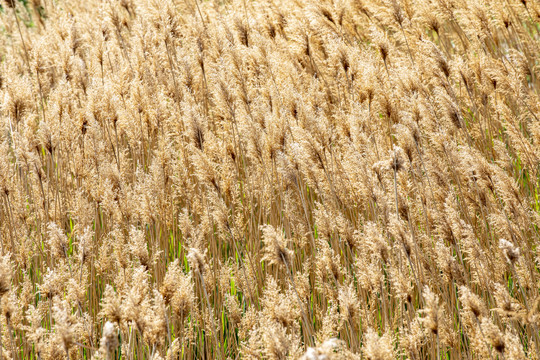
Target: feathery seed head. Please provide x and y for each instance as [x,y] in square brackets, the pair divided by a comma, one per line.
[510,251]
[275,247]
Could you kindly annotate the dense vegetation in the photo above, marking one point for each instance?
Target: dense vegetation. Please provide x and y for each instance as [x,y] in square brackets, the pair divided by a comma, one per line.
[276,179]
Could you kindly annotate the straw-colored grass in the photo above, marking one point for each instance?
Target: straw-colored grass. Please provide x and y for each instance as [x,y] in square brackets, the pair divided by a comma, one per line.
[270,179]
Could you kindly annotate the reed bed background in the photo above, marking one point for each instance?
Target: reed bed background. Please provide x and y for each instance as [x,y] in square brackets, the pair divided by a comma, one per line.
[270,179]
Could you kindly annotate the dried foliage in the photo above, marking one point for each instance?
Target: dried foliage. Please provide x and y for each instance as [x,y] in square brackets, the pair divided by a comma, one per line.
[274,179]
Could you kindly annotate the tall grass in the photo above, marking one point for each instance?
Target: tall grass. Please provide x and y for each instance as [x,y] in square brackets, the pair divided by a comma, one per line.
[270,179]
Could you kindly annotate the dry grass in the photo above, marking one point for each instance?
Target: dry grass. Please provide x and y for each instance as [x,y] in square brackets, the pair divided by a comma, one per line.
[277,179]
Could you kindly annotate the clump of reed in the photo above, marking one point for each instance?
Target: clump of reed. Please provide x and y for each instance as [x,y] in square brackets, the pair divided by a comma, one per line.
[274,179]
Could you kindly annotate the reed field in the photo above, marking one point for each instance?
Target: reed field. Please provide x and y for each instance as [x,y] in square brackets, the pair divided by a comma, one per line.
[270,179]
